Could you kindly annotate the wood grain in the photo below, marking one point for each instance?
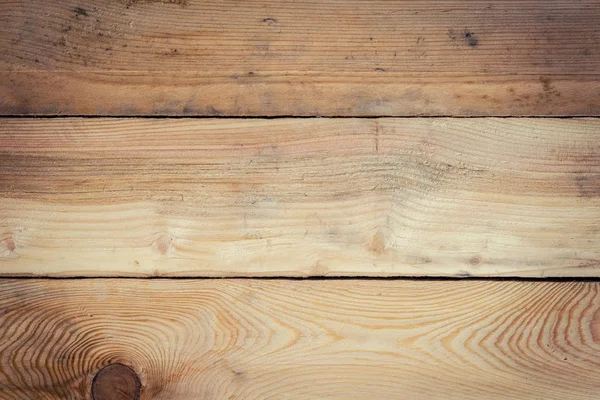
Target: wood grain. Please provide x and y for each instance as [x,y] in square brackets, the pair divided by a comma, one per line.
[116,381]
[314,57]
[300,197]
[282,339]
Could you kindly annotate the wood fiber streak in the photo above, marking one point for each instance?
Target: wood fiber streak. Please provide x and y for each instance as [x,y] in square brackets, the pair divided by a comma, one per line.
[314,57]
[300,197]
[272,339]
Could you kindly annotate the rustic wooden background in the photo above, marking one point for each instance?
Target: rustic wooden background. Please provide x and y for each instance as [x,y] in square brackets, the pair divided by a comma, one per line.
[339,199]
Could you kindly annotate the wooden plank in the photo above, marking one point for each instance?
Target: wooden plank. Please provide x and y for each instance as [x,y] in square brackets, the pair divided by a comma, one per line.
[315,57]
[282,339]
[300,197]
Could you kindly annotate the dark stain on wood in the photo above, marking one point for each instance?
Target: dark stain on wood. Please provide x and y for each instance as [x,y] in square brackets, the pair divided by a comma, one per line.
[471,39]
[546,83]
[80,11]
[589,264]
[116,382]
[130,3]
[549,92]
[588,185]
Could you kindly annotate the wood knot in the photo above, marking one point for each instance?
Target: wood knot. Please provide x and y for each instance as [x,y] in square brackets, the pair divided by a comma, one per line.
[8,248]
[10,244]
[377,245]
[116,382]
[476,261]
[164,245]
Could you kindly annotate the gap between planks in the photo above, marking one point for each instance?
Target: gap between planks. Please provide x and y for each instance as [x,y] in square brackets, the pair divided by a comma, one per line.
[299,117]
[313,278]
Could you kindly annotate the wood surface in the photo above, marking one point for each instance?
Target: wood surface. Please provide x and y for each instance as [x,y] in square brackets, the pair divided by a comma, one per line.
[300,197]
[298,339]
[312,57]
[116,381]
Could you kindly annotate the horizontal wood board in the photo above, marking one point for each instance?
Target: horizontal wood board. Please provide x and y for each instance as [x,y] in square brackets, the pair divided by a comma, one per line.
[313,57]
[300,197]
[295,339]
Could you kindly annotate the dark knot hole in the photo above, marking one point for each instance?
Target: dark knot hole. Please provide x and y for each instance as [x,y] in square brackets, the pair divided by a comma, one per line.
[116,382]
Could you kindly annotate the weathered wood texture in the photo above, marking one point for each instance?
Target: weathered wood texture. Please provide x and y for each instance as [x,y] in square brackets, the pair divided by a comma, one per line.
[270,339]
[315,57]
[299,197]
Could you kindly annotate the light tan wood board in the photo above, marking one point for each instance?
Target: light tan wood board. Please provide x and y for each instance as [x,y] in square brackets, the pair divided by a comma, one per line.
[332,339]
[315,57]
[300,197]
